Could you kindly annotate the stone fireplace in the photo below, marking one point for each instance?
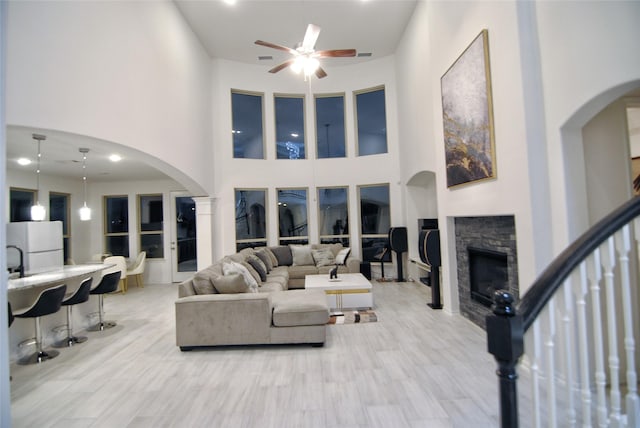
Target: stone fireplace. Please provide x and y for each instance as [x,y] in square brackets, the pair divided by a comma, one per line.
[487,260]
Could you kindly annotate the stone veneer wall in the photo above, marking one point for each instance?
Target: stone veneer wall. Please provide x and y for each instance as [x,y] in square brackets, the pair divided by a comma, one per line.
[496,233]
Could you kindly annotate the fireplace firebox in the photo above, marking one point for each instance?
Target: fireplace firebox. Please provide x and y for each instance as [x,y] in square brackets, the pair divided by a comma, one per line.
[488,272]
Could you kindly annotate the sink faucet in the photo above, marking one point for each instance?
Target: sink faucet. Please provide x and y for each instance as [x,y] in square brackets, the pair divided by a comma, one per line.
[21,267]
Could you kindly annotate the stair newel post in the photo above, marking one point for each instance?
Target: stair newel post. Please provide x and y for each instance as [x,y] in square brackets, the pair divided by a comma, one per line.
[505,338]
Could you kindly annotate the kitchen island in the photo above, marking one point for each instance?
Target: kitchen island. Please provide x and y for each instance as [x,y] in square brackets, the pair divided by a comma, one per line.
[22,292]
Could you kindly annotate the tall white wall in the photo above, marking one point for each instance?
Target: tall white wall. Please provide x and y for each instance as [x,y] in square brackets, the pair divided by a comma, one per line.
[437,36]
[129,72]
[607,161]
[589,60]
[548,61]
[309,173]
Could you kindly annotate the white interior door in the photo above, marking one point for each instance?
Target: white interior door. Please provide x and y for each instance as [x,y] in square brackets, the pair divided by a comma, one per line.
[184,258]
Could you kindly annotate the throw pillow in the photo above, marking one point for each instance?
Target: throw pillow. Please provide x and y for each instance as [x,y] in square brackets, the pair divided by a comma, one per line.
[262,255]
[231,284]
[283,254]
[302,255]
[259,266]
[323,257]
[274,259]
[252,272]
[202,283]
[341,258]
[230,268]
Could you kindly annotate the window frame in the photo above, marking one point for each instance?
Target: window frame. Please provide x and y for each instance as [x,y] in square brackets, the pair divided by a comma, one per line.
[249,242]
[262,124]
[300,239]
[66,225]
[34,198]
[345,239]
[356,118]
[105,230]
[344,122]
[364,236]
[140,232]
[304,123]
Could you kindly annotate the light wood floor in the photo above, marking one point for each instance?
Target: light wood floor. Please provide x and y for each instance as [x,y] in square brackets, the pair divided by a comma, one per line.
[415,367]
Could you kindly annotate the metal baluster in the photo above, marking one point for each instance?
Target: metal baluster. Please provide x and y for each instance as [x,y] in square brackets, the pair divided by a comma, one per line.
[609,262]
[595,276]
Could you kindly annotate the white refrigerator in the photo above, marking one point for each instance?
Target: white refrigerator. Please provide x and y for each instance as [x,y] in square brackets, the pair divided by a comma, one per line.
[41,243]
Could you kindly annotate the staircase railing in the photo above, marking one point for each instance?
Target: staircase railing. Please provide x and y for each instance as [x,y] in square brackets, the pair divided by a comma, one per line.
[575,352]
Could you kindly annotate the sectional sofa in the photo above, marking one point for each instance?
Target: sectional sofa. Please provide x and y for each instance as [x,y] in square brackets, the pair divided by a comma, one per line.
[257,296]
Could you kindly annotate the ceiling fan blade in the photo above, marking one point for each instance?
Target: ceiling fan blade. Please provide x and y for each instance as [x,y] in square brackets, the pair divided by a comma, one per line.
[334,53]
[282,66]
[274,46]
[320,73]
[310,37]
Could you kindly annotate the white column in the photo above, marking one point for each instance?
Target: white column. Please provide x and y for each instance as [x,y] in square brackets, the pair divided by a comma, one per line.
[204,230]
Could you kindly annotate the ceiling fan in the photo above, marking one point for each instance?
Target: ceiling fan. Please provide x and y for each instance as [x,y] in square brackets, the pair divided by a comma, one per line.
[305,57]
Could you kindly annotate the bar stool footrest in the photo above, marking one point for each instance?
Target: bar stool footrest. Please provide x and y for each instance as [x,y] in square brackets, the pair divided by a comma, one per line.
[102,326]
[39,357]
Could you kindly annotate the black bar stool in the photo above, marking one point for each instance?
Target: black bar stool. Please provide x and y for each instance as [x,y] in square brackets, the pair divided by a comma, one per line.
[108,284]
[48,302]
[11,317]
[81,295]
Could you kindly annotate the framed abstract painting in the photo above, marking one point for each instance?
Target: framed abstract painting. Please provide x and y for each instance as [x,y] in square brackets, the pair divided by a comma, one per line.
[467,112]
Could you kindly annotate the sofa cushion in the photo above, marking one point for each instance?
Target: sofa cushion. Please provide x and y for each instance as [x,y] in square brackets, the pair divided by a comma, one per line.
[234,267]
[266,259]
[259,266]
[301,255]
[342,255]
[327,269]
[283,255]
[269,286]
[231,284]
[299,307]
[323,257]
[302,271]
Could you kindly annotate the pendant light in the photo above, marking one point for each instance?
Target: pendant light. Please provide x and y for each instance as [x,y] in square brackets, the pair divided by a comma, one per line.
[85,211]
[38,212]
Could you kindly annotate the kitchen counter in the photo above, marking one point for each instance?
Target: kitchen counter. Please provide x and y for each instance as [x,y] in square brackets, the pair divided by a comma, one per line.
[22,292]
[55,277]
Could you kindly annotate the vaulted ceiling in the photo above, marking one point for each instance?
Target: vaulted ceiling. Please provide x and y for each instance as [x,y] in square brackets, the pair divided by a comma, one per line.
[229,32]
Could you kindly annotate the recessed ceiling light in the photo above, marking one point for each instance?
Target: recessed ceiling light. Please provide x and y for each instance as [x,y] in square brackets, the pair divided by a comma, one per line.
[231,2]
[24,161]
[115,158]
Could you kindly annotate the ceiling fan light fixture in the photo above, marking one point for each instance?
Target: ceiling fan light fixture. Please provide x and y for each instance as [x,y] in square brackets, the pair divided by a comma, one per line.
[298,64]
[310,66]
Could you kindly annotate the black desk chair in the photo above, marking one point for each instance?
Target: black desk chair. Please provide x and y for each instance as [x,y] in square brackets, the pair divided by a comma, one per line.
[48,302]
[108,284]
[81,295]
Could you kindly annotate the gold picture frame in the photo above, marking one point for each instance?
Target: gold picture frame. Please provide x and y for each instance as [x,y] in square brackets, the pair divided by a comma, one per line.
[467,113]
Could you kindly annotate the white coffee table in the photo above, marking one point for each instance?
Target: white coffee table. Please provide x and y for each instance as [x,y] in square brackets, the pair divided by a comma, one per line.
[350,290]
